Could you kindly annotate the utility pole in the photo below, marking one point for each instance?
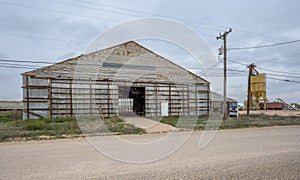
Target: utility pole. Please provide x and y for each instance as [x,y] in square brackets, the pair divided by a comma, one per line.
[224,37]
[249,97]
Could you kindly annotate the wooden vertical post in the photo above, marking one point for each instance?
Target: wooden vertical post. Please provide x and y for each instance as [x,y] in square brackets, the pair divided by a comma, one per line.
[249,97]
[224,38]
[50,98]
[208,98]
[156,106]
[90,97]
[170,99]
[71,98]
[27,96]
[183,103]
[108,98]
[188,99]
[196,99]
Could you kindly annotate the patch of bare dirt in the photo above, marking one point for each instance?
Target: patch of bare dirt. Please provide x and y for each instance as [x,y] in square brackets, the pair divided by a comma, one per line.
[274,112]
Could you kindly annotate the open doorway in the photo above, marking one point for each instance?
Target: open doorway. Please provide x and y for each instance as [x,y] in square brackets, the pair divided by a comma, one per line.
[138,96]
[132,100]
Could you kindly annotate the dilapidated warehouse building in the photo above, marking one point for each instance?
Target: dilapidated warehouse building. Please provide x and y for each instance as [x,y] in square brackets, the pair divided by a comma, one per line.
[126,78]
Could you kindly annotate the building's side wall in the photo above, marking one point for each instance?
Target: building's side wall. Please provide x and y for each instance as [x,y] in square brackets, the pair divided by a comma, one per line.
[51,97]
[35,97]
[56,97]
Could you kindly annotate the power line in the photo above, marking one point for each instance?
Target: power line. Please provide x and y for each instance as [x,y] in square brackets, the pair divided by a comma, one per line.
[237,70]
[68,13]
[243,64]
[57,11]
[285,80]
[235,73]
[9,62]
[76,5]
[49,63]
[15,64]
[284,72]
[133,15]
[210,68]
[276,59]
[271,70]
[217,27]
[91,17]
[87,16]
[213,26]
[256,35]
[280,75]
[42,37]
[264,46]
[26,61]
[16,67]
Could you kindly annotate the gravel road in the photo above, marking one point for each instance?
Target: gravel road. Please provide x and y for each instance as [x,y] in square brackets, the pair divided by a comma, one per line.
[258,153]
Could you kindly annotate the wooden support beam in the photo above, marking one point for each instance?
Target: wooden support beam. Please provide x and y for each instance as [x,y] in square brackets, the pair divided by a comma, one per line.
[196,99]
[71,98]
[188,99]
[90,97]
[27,97]
[50,98]
[170,101]
[156,105]
[108,98]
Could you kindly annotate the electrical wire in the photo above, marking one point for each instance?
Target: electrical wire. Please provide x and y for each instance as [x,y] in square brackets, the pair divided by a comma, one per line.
[243,64]
[9,62]
[217,27]
[280,75]
[16,67]
[263,46]
[86,7]
[14,64]
[223,28]
[236,62]
[234,73]
[276,59]
[26,61]
[284,80]
[284,72]
[93,17]
[47,38]
[57,11]
[210,68]
[42,37]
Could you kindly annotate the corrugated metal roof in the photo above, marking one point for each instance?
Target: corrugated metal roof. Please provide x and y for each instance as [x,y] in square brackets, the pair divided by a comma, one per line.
[218,97]
[125,61]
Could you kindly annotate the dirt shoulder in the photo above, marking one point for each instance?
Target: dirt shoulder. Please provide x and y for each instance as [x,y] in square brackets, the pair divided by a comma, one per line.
[274,112]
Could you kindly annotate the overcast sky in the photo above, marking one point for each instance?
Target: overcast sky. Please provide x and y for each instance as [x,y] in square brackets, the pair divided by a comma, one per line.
[54,30]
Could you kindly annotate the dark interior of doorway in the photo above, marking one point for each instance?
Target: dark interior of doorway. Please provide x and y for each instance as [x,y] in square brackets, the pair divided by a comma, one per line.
[138,96]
